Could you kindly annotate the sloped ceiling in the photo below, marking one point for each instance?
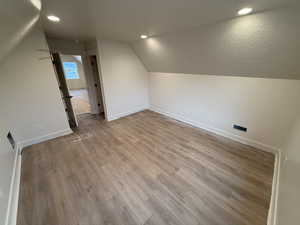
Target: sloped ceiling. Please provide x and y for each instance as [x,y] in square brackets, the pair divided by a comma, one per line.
[125,20]
[260,45]
[16,20]
[190,36]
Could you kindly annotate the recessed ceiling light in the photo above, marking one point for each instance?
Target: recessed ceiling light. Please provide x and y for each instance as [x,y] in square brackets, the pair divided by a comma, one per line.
[143,36]
[53,18]
[245,11]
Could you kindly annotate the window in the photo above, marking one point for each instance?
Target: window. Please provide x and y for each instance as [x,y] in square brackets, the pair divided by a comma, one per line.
[71,71]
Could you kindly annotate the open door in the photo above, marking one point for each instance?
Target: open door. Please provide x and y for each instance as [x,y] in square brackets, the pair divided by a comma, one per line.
[58,68]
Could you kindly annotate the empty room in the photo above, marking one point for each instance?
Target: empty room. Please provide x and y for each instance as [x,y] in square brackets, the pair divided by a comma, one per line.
[135,112]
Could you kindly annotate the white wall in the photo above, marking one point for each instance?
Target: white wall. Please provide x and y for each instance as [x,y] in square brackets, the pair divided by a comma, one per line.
[91,47]
[267,107]
[124,79]
[289,197]
[16,19]
[30,105]
[224,59]
[68,47]
[292,143]
[29,92]
[259,45]
[233,62]
[75,83]
[7,156]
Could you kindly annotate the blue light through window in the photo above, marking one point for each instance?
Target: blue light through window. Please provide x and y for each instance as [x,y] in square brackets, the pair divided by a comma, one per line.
[71,71]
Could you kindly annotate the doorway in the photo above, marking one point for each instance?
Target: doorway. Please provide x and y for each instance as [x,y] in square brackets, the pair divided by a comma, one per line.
[76,83]
[80,86]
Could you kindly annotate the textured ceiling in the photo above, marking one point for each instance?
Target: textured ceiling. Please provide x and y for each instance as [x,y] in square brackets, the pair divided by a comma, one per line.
[125,20]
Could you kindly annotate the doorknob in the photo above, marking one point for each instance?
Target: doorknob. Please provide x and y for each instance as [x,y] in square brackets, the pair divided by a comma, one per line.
[68,96]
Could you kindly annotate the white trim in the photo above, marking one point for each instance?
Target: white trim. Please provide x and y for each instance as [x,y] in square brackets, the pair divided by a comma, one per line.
[12,208]
[218,131]
[273,210]
[40,139]
[272,214]
[91,52]
[119,115]
[11,217]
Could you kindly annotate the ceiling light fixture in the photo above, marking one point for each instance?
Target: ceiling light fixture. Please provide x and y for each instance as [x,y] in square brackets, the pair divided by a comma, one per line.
[143,36]
[53,18]
[245,11]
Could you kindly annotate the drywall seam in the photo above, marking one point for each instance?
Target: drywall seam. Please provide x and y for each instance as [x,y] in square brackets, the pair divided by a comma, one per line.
[223,133]
[40,139]
[11,215]
[119,115]
[273,210]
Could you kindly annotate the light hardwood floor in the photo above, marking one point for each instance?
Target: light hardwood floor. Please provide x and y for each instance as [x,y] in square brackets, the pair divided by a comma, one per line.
[80,101]
[144,169]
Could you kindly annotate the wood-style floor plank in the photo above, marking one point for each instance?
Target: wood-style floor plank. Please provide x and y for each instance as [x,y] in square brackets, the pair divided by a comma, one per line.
[144,169]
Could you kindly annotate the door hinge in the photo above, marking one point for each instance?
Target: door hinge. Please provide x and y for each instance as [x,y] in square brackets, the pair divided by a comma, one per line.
[52,59]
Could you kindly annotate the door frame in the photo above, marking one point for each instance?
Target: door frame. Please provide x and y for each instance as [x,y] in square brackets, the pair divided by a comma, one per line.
[90,75]
[85,52]
[97,83]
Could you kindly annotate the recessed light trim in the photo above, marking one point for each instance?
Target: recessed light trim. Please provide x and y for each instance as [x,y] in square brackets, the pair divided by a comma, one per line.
[143,36]
[245,11]
[53,18]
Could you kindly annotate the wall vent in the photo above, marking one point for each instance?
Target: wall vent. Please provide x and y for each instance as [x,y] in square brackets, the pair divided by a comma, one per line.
[237,127]
[11,140]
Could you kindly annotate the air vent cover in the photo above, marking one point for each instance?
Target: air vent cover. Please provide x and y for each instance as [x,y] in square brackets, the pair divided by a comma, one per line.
[244,129]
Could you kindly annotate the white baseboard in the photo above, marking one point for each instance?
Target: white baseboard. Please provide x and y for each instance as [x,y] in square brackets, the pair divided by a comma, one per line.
[127,113]
[273,210]
[272,215]
[40,139]
[11,216]
[12,209]
[218,131]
